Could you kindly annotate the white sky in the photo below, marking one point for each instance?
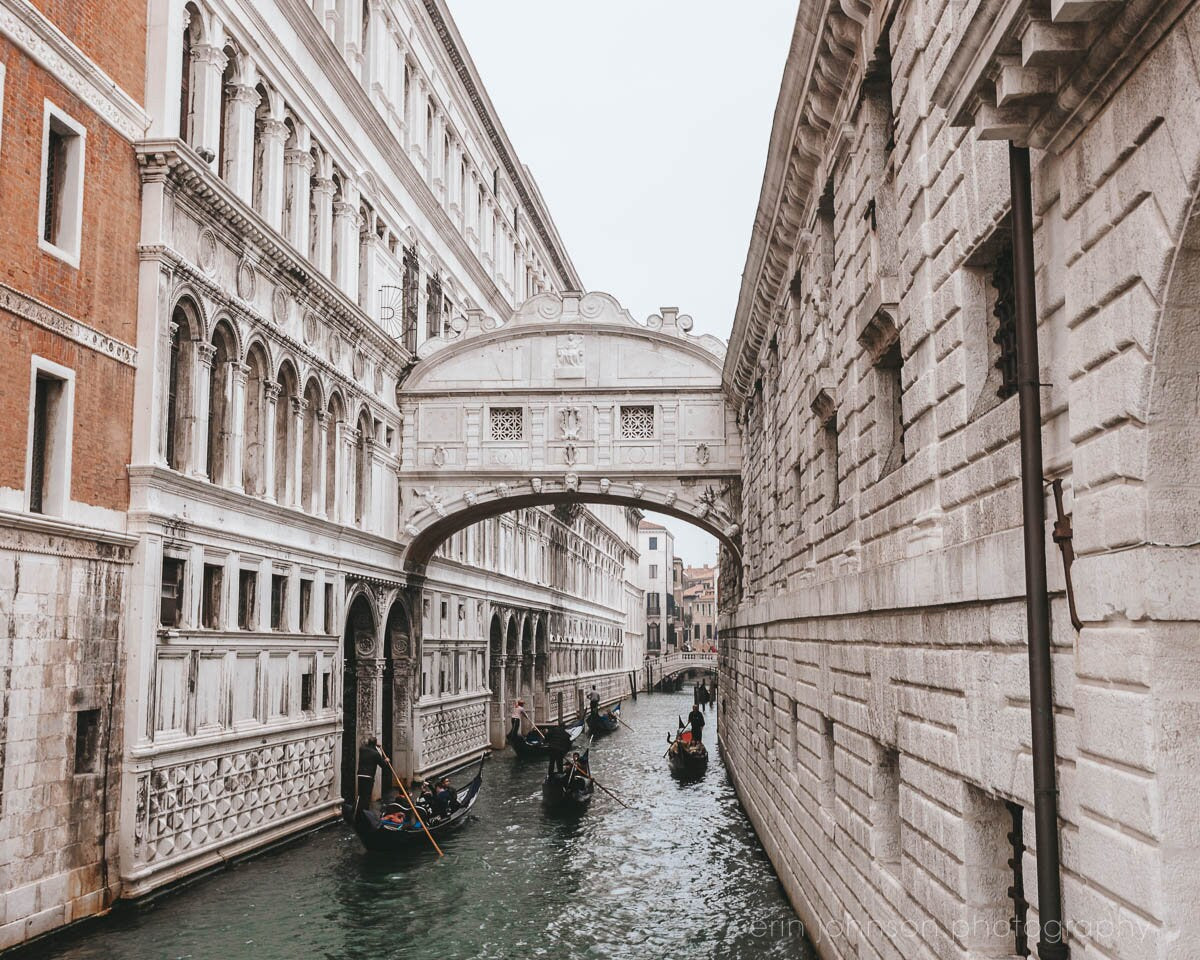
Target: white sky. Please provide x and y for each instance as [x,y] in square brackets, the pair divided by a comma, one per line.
[645,124]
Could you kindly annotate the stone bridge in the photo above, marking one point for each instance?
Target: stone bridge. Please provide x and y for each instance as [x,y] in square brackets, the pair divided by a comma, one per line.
[570,400]
[672,664]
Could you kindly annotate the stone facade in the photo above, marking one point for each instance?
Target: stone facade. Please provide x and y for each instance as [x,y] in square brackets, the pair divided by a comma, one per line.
[70,106]
[874,674]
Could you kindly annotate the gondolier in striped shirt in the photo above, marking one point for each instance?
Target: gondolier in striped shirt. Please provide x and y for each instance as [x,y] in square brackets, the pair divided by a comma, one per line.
[519,713]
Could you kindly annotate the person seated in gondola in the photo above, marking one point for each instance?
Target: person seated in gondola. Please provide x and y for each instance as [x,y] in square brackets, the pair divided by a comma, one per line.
[696,719]
[558,741]
[577,767]
[444,798]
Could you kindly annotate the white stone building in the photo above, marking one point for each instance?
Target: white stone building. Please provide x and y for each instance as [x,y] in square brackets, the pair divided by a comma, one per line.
[323,189]
[656,548]
[875,671]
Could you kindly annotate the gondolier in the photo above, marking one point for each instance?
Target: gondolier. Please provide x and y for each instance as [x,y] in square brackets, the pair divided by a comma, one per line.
[558,741]
[594,700]
[696,719]
[369,760]
[519,713]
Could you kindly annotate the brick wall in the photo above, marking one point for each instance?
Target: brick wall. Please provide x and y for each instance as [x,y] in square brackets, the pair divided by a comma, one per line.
[112,33]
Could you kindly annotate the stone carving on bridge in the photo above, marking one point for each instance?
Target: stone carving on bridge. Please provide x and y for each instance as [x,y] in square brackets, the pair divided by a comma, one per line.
[639,488]
[434,499]
[571,423]
[702,454]
[570,356]
[570,454]
[439,456]
[536,484]
[571,480]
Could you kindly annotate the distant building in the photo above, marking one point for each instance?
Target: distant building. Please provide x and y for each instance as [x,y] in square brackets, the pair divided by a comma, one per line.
[655,565]
[699,606]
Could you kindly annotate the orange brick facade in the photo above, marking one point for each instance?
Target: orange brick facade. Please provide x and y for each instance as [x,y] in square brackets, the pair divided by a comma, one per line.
[101,293]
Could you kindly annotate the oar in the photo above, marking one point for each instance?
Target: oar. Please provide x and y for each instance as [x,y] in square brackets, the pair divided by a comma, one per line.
[681,729]
[624,724]
[585,773]
[412,806]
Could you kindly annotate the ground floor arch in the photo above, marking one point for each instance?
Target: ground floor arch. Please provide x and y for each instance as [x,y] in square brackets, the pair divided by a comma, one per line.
[358,635]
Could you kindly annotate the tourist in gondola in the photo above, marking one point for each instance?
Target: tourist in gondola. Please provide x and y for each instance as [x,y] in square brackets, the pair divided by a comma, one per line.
[696,719]
[594,701]
[369,760]
[444,798]
[519,716]
[558,740]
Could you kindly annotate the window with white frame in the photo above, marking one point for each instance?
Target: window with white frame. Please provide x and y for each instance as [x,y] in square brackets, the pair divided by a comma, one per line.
[48,449]
[507,423]
[637,423]
[60,203]
[1,106]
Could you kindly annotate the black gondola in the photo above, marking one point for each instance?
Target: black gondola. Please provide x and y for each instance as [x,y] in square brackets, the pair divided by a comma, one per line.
[532,745]
[381,836]
[570,791]
[600,723]
[685,757]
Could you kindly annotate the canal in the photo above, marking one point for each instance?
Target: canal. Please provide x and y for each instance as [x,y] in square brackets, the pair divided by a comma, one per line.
[680,875]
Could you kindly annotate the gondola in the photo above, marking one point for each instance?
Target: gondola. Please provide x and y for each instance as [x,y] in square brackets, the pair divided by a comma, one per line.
[534,747]
[570,791]
[380,836]
[601,723]
[685,757]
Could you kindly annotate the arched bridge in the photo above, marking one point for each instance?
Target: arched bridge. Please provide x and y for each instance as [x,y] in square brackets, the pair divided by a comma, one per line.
[672,664]
[569,400]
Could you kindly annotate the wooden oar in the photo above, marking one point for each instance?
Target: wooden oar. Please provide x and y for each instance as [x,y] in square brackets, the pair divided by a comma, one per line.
[677,736]
[585,773]
[411,805]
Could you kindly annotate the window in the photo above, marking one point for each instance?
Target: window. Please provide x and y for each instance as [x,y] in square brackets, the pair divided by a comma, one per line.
[87,740]
[654,543]
[507,423]
[307,678]
[885,811]
[306,589]
[653,571]
[828,767]
[170,606]
[48,461]
[881,341]
[210,600]
[329,611]
[637,423]
[989,322]
[326,688]
[653,606]
[829,434]
[247,595]
[61,200]
[278,600]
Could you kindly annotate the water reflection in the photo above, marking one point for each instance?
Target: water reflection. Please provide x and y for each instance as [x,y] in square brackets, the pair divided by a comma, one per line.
[679,875]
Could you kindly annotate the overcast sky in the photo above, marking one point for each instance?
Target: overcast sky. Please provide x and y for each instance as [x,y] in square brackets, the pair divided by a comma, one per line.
[645,124]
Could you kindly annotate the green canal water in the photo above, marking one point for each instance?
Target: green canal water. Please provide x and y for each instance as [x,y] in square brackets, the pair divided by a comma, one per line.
[680,875]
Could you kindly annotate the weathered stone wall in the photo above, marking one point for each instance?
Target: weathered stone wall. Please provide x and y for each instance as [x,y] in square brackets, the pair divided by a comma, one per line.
[875,676]
[61,677]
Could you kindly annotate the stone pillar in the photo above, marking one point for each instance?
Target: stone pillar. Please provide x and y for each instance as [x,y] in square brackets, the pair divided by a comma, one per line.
[336,510]
[242,102]
[416,115]
[165,25]
[368,280]
[320,466]
[298,170]
[234,448]
[346,501]
[201,384]
[295,491]
[162,407]
[346,224]
[274,135]
[369,708]
[208,66]
[369,453]
[322,241]
[271,391]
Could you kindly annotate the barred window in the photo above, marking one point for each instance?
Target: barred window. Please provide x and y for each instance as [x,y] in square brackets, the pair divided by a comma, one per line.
[637,423]
[507,423]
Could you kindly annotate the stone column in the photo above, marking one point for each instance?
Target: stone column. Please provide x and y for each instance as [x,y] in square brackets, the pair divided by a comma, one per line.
[166,22]
[346,224]
[321,466]
[271,391]
[295,494]
[369,453]
[274,135]
[346,501]
[416,117]
[298,170]
[241,104]
[234,449]
[335,510]
[161,423]
[201,384]
[369,708]
[368,281]
[322,198]
[208,66]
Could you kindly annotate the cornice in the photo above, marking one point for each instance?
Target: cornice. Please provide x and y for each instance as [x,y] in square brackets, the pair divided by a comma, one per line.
[49,318]
[33,32]
[518,174]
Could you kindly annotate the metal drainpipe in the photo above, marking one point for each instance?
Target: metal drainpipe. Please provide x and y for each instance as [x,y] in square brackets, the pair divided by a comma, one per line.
[1052,939]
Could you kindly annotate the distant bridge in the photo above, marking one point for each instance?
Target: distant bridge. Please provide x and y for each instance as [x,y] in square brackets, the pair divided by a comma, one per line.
[673,664]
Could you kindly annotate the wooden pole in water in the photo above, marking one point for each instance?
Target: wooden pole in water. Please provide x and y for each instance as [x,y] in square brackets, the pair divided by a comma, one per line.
[412,806]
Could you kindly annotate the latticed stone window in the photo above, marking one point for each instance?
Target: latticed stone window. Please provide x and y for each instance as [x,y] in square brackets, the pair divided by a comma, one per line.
[507,423]
[637,423]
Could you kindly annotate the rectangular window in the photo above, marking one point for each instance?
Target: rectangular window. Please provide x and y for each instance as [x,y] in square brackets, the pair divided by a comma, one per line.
[885,811]
[306,589]
[637,423]
[278,600]
[307,679]
[654,543]
[210,601]
[247,594]
[326,688]
[87,740]
[654,571]
[48,458]
[329,611]
[829,433]
[507,423]
[61,199]
[828,766]
[170,606]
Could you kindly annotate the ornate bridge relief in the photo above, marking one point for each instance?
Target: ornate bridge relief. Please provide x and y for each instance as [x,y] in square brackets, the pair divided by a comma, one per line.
[571,399]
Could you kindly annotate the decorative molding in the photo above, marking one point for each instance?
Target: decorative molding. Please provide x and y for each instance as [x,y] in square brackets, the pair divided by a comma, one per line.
[33,32]
[47,317]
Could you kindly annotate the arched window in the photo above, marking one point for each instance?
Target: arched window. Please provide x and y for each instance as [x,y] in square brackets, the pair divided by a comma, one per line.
[336,268]
[285,435]
[220,405]
[224,161]
[314,201]
[185,84]
[254,459]
[362,471]
[181,412]
[261,175]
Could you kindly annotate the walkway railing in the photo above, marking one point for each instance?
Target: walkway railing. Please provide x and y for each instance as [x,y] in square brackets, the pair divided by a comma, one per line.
[668,665]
